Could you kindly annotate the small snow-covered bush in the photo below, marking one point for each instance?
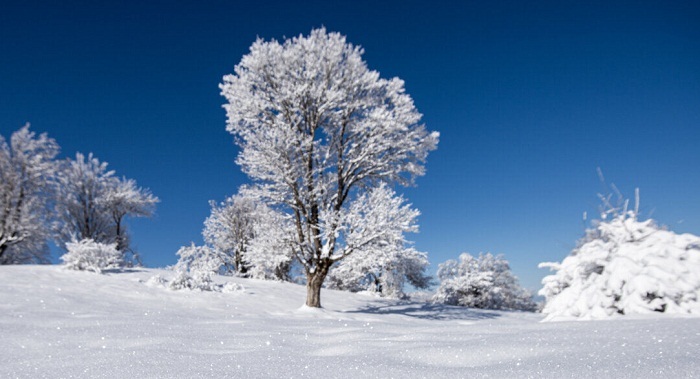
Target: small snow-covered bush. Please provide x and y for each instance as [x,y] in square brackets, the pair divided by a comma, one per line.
[625,266]
[196,267]
[156,281]
[199,258]
[88,255]
[199,280]
[232,287]
[484,282]
[181,281]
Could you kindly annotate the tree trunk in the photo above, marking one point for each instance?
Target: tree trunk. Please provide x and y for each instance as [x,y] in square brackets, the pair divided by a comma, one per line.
[241,268]
[3,247]
[118,238]
[314,282]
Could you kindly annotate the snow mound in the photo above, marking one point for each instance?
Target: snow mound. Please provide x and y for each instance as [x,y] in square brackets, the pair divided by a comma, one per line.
[625,266]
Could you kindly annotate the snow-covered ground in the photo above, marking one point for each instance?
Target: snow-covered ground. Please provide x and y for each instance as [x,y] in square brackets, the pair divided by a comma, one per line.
[57,323]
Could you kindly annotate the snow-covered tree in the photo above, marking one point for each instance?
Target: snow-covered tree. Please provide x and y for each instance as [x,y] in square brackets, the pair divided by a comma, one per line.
[481,282]
[385,264]
[254,236]
[27,172]
[93,203]
[624,265]
[88,255]
[230,228]
[317,129]
[124,199]
[270,253]
[84,185]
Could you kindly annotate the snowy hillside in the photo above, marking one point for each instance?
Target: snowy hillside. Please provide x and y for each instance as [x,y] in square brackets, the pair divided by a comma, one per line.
[59,323]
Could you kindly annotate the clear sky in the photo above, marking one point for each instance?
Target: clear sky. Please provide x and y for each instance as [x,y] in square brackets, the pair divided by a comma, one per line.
[529,99]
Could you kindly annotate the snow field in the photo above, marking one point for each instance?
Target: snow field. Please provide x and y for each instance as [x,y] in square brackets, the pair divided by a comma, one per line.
[58,323]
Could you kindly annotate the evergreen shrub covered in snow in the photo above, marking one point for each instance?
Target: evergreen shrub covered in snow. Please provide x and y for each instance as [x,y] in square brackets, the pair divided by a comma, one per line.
[88,255]
[481,282]
[625,266]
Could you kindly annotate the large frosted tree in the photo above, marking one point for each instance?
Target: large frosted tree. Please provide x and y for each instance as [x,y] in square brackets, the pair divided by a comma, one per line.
[27,170]
[318,129]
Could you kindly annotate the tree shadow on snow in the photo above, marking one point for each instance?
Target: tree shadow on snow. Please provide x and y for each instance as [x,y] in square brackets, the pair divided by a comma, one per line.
[429,311]
[124,270]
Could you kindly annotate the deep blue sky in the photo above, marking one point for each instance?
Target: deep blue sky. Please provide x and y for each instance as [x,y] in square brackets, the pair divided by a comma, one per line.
[529,99]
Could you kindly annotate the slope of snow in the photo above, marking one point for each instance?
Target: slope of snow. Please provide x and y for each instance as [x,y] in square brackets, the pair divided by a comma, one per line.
[58,323]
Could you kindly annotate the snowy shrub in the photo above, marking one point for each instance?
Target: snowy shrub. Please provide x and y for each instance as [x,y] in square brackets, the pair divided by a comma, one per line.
[484,282]
[200,259]
[202,280]
[88,255]
[231,287]
[196,268]
[156,281]
[199,280]
[625,266]
[181,281]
